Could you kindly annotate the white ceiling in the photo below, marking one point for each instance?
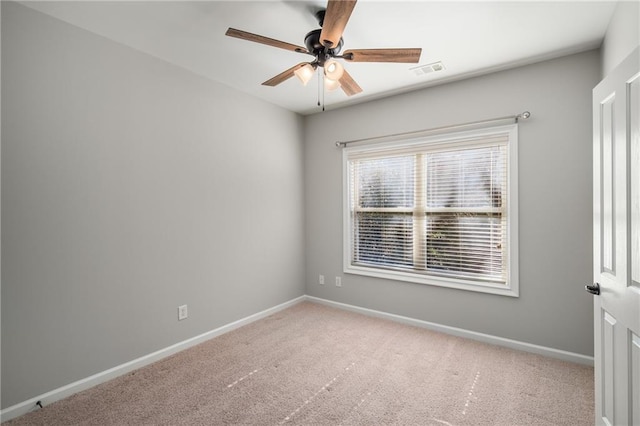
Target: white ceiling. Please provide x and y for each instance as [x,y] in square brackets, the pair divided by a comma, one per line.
[470,38]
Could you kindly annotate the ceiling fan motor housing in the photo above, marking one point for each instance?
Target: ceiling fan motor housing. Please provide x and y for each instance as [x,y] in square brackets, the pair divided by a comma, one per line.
[322,54]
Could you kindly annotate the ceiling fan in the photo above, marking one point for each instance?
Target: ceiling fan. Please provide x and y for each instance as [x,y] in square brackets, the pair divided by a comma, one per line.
[324,45]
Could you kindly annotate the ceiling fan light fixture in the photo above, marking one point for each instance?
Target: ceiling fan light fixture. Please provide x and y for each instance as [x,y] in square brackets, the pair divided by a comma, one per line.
[333,70]
[305,73]
[331,84]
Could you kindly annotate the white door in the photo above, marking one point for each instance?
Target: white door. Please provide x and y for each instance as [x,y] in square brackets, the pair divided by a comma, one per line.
[616,248]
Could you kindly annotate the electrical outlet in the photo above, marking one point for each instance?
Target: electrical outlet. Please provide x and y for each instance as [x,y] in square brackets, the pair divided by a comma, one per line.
[182,312]
[321,279]
[338,282]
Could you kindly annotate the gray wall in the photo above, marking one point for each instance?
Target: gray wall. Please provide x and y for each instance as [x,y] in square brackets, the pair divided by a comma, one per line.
[555,213]
[623,35]
[129,187]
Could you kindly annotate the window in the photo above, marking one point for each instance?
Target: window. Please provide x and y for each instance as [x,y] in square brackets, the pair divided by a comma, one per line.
[440,210]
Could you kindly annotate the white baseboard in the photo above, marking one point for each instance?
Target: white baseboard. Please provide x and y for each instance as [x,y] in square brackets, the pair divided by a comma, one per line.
[104,376]
[486,338]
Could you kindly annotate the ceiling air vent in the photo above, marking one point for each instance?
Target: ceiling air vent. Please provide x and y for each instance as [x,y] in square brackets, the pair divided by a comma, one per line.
[429,68]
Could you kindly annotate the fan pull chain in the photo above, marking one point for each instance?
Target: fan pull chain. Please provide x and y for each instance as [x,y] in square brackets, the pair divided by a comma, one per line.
[323,90]
[319,86]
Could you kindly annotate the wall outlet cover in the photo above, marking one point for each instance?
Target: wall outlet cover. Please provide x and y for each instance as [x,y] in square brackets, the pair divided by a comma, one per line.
[182,312]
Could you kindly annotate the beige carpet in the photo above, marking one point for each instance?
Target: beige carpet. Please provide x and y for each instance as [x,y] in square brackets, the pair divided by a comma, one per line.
[315,365]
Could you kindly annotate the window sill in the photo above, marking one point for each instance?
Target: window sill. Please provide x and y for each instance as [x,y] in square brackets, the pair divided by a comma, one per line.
[510,289]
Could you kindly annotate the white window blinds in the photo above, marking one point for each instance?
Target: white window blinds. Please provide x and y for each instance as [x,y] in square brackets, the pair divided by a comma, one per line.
[435,208]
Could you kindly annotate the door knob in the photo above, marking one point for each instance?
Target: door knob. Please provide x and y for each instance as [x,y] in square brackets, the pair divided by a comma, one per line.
[593,289]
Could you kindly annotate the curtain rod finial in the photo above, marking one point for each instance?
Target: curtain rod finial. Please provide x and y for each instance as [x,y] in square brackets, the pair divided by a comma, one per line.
[341,144]
[524,115]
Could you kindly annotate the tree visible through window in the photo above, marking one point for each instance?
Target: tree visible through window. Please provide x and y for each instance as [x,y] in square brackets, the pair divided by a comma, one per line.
[432,210]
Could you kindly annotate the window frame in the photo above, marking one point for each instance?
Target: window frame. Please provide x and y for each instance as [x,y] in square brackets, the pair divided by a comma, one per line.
[441,141]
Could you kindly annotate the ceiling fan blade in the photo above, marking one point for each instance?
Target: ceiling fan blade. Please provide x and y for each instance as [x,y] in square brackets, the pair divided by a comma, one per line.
[244,35]
[348,84]
[285,75]
[335,20]
[383,55]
